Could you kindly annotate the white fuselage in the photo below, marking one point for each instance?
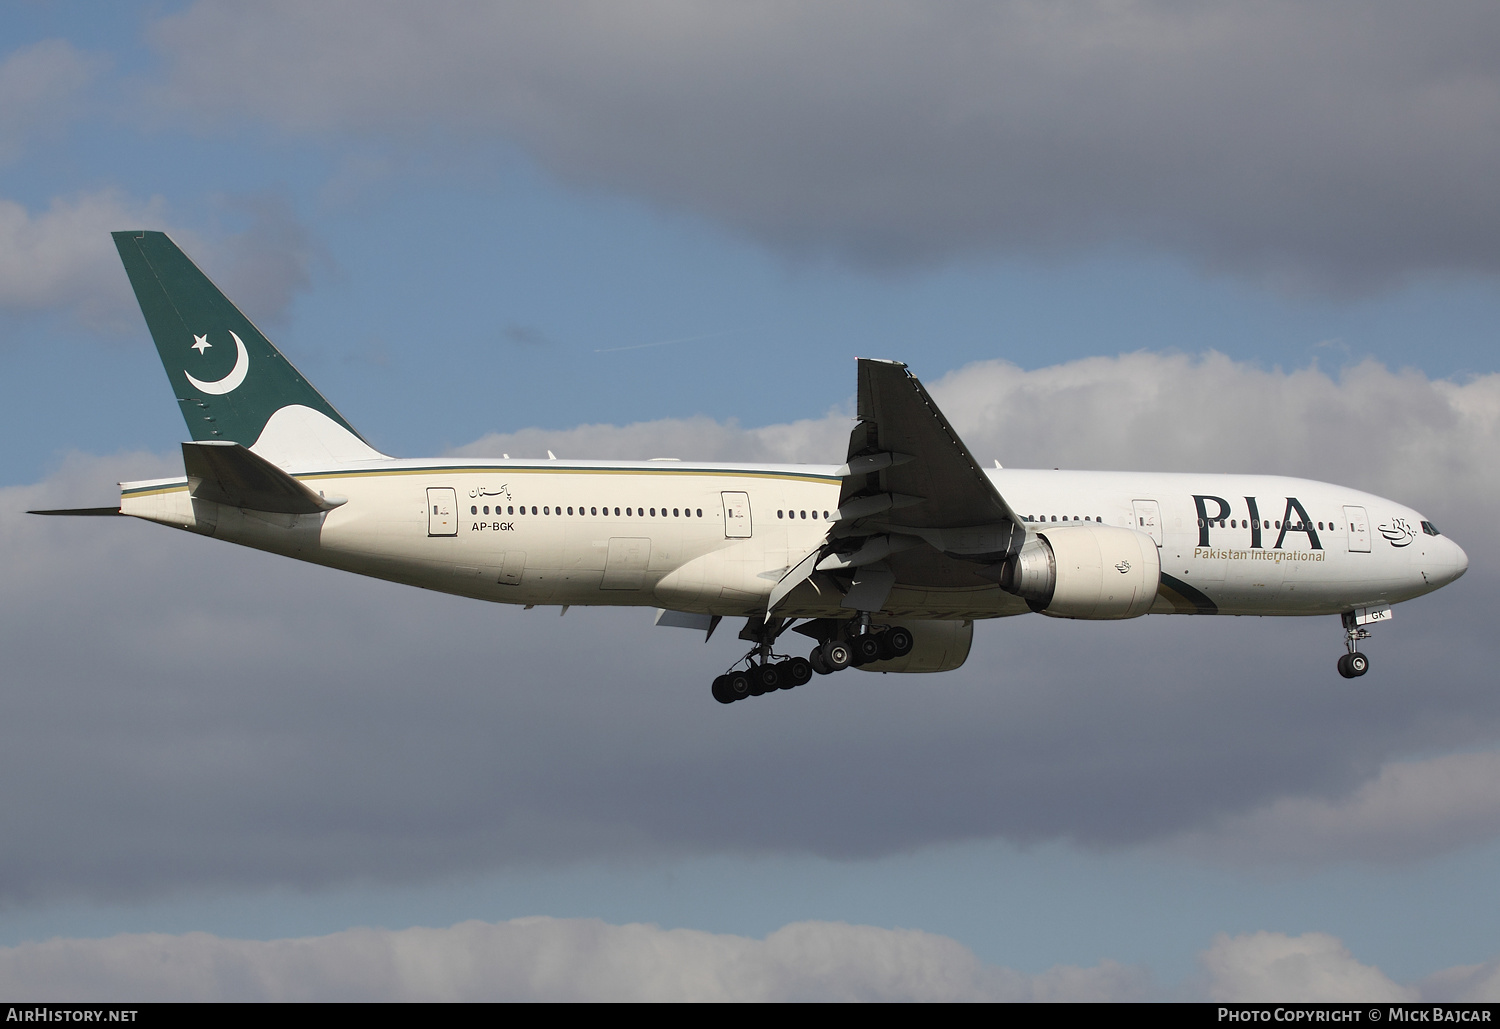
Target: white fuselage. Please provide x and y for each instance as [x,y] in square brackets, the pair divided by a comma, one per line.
[716,538]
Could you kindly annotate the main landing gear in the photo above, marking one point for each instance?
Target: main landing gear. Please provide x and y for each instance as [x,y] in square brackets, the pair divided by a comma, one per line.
[1353,664]
[762,677]
[860,648]
[842,644]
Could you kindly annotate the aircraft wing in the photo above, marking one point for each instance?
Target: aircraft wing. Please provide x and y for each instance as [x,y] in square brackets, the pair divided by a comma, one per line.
[903,446]
[915,508]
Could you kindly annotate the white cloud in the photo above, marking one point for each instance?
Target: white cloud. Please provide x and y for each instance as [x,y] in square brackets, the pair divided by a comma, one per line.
[1426,442]
[546,959]
[40,89]
[63,258]
[1340,143]
[1410,810]
[1465,983]
[821,441]
[585,959]
[1269,966]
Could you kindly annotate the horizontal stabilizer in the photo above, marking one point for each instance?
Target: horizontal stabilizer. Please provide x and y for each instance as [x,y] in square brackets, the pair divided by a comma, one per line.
[227,473]
[93,512]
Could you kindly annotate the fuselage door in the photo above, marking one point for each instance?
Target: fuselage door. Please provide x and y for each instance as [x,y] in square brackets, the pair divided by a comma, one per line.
[736,516]
[1148,518]
[1359,530]
[442,511]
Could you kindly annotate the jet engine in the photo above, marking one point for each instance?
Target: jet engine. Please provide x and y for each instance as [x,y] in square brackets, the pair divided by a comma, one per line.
[1085,571]
[937,646]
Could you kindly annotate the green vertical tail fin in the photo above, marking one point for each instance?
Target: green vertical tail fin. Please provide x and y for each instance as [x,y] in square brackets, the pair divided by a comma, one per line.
[230,381]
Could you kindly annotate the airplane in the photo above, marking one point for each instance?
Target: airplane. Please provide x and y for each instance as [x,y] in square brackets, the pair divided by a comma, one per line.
[884,562]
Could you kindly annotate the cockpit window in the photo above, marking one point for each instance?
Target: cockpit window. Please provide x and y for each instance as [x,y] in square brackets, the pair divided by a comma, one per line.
[1430,529]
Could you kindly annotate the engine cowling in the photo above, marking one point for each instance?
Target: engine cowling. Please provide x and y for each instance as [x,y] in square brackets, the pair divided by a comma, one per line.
[1085,571]
[937,646]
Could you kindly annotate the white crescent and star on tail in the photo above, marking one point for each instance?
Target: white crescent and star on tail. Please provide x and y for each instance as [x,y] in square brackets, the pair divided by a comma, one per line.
[230,382]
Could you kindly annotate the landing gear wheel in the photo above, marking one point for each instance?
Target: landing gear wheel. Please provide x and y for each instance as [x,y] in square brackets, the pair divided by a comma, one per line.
[866,648]
[1352,666]
[721,690]
[737,685]
[766,678]
[837,655]
[815,659]
[795,671]
[896,641]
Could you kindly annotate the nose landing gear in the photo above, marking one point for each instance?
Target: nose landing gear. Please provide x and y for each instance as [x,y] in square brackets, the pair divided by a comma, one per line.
[1353,664]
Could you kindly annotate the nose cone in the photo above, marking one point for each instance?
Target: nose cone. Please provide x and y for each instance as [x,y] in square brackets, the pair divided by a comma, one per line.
[1450,562]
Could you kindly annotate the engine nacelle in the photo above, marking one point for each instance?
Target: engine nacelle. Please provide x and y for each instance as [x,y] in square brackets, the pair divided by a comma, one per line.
[936,647]
[1085,571]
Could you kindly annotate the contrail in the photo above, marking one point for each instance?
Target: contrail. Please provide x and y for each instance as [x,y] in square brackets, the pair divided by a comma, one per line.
[661,343]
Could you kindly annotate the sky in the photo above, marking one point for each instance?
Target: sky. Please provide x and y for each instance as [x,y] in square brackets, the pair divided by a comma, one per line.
[1127,235]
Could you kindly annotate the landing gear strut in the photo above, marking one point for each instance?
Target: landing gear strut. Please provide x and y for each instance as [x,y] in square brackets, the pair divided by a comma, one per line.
[1353,664]
[841,644]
